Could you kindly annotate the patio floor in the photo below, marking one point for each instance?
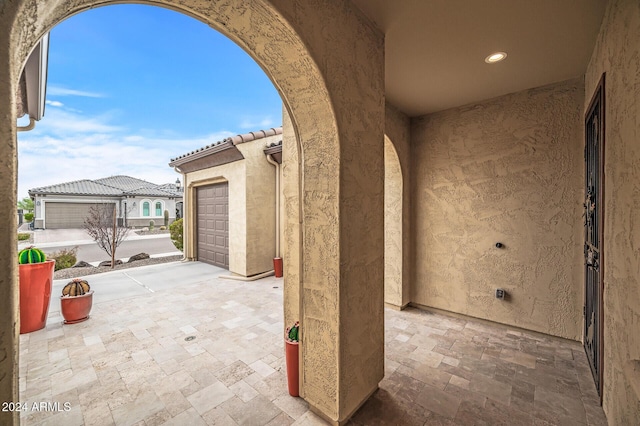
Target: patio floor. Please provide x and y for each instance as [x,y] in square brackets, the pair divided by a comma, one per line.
[211,353]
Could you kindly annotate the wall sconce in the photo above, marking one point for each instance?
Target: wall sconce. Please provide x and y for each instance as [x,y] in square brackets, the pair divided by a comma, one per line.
[38,203]
[134,204]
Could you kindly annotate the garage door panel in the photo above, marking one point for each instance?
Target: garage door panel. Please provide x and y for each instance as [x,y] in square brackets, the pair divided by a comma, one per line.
[213,224]
[68,215]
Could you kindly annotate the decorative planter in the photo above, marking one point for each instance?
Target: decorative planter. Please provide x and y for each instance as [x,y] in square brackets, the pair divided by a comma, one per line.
[35,293]
[277,266]
[291,359]
[76,309]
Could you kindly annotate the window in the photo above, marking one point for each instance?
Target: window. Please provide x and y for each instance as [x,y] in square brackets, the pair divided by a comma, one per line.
[145,209]
[158,208]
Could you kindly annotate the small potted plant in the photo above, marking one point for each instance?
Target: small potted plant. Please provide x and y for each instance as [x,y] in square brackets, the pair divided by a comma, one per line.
[291,358]
[76,301]
[36,278]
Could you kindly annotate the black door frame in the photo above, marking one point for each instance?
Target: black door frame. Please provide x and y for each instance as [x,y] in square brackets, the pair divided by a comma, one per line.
[597,105]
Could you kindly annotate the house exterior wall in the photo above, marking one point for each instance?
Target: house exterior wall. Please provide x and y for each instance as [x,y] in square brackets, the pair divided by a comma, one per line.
[507,170]
[397,155]
[261,205]
[617,52]
[135,216]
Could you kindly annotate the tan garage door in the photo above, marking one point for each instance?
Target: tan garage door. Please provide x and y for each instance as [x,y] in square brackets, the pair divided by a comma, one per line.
[212,203]
[66,215]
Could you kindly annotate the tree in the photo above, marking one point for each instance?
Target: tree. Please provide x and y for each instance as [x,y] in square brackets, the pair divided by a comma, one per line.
[26,204]
[101,225]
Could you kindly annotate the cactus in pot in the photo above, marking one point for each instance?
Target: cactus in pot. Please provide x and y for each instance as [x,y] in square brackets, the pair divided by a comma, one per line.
[76,301]
[36,278]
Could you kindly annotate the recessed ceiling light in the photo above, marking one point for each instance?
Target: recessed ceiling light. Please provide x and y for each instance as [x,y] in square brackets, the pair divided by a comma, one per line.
[495,57]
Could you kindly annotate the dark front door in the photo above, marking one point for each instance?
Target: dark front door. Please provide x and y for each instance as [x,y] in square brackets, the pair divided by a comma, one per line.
[594,196]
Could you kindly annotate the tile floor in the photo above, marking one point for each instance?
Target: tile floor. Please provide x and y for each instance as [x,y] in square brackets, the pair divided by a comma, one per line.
[135,362]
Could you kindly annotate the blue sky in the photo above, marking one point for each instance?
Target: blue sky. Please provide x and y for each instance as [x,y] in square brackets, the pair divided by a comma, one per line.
[130,87]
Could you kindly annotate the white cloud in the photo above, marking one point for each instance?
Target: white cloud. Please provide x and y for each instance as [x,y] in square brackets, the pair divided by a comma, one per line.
[63,91]
[54,103]
[68,147]
[257,124]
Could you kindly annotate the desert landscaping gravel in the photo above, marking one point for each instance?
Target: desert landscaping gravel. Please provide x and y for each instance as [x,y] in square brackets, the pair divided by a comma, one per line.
[70,273]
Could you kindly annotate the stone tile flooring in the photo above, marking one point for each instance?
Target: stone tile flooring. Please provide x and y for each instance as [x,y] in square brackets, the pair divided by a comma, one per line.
[134,363]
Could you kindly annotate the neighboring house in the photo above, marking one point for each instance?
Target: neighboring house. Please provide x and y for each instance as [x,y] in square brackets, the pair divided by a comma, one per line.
[137,202]
[230,201]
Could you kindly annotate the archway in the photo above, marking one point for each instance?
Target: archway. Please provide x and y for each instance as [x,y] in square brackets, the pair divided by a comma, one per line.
[338,125]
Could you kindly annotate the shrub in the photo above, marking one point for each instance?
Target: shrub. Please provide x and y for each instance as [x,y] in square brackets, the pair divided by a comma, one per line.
[166,218]
[65,258]
[28,217]
[23,236]
[163,228]
[151,225]
[176,233]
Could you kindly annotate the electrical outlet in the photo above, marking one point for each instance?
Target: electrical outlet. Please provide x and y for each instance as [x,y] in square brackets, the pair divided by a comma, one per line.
[500,293]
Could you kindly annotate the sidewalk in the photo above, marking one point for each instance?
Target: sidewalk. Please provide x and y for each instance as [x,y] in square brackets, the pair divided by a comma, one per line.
[44,238]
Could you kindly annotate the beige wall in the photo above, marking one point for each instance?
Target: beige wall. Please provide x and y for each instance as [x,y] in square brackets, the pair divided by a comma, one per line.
[617,52]
[506,170]
[312,51]
[397,157]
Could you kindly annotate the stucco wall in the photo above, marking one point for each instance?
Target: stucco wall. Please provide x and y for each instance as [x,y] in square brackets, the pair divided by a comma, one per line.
[397,157]
[617,52]
[506,170]
[261,205]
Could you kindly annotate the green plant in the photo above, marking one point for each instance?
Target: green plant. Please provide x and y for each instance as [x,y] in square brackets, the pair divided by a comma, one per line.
[23,236]
[28,217]
[166,218]
[176,232]
[26,204]
[76,287]
[65,258]
[151,225]
[292,332]
[31,255]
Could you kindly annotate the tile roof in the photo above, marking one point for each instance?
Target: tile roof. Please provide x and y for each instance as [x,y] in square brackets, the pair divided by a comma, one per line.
[110,186]
[228,142]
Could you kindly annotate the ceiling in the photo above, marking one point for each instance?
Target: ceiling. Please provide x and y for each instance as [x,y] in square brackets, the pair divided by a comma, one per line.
[435,49]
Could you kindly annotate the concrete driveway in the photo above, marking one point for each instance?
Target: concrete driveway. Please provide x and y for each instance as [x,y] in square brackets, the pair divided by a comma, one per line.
[141,281]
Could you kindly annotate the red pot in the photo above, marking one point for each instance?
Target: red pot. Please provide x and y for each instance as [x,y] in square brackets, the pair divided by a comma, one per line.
[291,359]
[35,293]
[76,308]
[277,266]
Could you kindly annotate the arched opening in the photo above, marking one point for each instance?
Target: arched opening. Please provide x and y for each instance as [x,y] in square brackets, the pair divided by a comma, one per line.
[341,232]
[393,230]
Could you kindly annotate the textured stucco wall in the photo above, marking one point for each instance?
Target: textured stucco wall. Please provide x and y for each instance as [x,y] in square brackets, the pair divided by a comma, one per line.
[261,205]
[617,52]
[327,61]
[393,253]
[397,129]
[506,170]
[235,174]
[291,223]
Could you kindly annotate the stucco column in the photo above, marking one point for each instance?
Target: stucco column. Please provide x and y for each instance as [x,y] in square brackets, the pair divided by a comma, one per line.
[9,299]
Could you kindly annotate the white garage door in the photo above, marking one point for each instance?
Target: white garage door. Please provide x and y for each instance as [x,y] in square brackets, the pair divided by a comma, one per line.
[66,215]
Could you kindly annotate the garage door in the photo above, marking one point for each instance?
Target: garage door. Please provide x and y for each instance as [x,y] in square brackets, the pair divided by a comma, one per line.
[212,203]
[67,215]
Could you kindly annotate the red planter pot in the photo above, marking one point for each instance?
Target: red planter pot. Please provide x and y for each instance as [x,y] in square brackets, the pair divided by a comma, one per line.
[291,359]
[76,308]
[35,293]
[277,266]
